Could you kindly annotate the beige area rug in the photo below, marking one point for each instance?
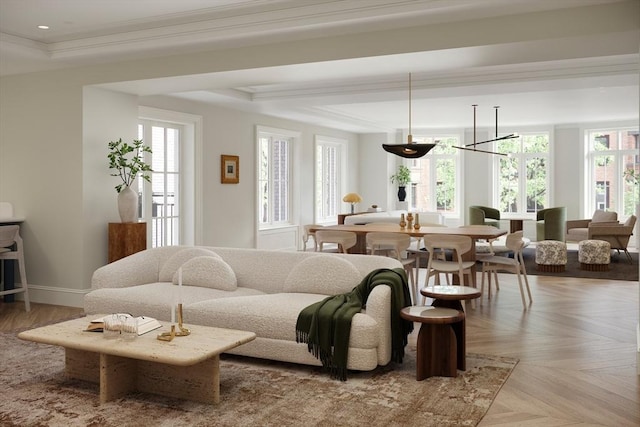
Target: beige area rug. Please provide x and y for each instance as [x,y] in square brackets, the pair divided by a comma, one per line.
[254,392]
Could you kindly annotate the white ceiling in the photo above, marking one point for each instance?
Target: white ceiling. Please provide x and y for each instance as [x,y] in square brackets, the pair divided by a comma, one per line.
[359,95]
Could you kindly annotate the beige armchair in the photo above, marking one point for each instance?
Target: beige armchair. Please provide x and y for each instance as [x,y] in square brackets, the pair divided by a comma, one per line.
[618,235]
[578,229]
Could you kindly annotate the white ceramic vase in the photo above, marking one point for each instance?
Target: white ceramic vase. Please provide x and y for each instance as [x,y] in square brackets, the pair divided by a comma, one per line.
[128,205]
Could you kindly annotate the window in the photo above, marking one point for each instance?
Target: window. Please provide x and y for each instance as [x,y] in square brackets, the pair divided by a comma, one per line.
[328,173]
[274,177]
[613,169]
[523,177]
[160,200]
[435,178]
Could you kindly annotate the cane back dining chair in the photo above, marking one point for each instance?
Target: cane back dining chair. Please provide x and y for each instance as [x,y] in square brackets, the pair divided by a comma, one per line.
[492,264]
[11,249]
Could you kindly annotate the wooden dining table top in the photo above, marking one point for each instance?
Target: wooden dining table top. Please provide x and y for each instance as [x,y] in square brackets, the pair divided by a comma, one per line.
[474,232]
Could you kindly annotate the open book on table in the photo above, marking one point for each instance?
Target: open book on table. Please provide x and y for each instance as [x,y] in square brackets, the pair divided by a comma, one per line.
[145,324]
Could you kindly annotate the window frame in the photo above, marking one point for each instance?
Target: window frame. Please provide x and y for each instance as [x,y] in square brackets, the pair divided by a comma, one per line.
[619,154]
[324,143]
[292,188]
[523,157]
[433,157]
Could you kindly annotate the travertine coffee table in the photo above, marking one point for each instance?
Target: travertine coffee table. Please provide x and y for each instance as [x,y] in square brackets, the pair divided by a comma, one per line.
[186,368]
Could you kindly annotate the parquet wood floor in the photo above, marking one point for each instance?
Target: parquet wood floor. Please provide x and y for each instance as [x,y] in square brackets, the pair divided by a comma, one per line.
[576,344]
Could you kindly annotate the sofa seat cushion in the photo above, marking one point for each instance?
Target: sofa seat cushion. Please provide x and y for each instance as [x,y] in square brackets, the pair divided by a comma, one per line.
[208,272]
[577,234]
[153,299]
[273,316]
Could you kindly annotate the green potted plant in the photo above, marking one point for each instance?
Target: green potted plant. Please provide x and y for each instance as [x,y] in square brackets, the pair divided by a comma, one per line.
[127,161]
[402,178]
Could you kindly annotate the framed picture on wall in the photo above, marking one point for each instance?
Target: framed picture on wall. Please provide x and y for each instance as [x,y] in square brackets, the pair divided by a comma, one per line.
[230,169]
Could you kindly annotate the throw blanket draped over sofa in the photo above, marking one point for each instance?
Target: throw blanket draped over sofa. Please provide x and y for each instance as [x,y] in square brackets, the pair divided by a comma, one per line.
[252,290]
[326,325]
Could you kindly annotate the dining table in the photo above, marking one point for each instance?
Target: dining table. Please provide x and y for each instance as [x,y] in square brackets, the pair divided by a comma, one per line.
[475,232]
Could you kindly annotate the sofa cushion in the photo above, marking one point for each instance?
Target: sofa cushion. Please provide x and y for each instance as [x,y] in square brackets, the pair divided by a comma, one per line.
[153,299]
[326,275]
[208,272]
[602,216]
[273,316]
[176,260]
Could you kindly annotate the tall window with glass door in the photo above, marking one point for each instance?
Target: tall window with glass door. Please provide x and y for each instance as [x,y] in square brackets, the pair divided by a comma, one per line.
[160,200]
[274,179]
[434,178]
[328,172]
[522,176]
[613,169]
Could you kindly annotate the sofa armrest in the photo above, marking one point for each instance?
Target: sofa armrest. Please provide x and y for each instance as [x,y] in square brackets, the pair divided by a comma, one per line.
[609,230]
[379,308]
[577,223]
[137,269]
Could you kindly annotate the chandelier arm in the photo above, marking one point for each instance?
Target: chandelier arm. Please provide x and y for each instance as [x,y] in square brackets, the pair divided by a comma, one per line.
[511,136]
[481,151]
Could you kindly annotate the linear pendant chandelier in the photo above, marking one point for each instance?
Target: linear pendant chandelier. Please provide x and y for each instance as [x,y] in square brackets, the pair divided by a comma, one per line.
[410,150]
[474,144]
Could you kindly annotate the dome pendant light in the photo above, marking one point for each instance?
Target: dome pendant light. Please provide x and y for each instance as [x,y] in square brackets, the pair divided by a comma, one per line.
[410,150]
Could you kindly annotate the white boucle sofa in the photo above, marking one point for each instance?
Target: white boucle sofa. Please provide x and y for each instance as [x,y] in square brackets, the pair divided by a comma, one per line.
[394,217]
[252,290]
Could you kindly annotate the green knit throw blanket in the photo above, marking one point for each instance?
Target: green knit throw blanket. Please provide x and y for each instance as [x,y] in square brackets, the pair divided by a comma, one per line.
[326,325]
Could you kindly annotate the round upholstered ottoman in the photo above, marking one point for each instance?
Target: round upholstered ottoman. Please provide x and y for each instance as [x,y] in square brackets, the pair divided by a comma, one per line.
[594,255]
[551,256]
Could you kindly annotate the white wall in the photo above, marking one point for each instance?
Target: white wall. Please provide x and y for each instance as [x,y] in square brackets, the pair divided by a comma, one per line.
[229,210]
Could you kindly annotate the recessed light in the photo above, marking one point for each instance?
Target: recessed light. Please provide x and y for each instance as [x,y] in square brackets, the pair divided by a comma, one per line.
[43,27]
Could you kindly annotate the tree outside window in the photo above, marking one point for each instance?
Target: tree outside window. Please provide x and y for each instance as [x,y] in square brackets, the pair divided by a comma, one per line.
[613,167]
[435,177]
[522,176]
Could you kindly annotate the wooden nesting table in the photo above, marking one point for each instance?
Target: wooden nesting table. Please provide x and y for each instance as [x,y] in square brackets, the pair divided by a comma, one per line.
[185,368]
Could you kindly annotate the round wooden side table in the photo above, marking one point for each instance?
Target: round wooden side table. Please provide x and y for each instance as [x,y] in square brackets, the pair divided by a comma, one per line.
[452,297]
[439,340]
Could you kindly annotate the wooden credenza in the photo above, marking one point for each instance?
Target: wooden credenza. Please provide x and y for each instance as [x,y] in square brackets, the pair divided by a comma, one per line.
[126,238]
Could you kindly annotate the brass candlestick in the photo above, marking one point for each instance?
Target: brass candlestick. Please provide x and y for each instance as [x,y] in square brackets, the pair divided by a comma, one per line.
[183,332]
[168,336]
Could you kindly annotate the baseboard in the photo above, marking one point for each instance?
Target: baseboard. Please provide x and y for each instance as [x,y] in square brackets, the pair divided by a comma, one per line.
[55,296]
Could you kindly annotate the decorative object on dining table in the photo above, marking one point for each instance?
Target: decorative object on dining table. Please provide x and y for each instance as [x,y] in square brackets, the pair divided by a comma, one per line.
[416,225]
[402,178]
[128,162]
[229,169]
[403,223]
[410,220]
[411,149]
[352,198]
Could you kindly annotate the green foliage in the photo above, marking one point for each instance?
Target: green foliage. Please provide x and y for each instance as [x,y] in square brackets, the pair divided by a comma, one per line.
[128,162]
[632,176]
[402,177]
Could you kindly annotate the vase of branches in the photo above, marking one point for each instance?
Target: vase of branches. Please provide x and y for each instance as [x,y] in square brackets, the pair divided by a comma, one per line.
[128,162]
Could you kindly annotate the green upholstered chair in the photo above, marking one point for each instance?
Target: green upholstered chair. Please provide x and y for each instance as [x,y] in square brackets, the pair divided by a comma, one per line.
[550,224]
[482,215]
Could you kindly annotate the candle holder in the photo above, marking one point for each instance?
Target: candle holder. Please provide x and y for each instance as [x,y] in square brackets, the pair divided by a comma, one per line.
[168,336]
[183,332]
